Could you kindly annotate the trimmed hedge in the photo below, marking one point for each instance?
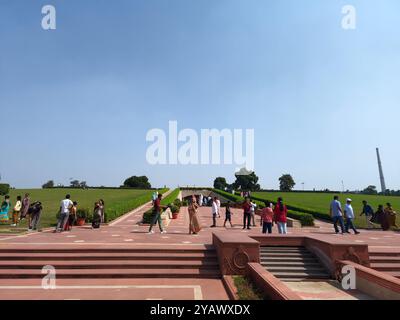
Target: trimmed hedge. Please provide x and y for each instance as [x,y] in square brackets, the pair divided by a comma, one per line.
[121,208]
[4,189]
[238,199]
[314,213]
[306,219]
[232,197]
[171,201]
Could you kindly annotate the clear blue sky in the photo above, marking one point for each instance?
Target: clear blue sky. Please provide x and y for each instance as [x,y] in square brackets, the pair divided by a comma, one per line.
[77,102]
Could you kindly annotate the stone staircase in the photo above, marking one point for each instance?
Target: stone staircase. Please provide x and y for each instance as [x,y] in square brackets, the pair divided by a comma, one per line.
[104,263]
[292,264]
[386,261]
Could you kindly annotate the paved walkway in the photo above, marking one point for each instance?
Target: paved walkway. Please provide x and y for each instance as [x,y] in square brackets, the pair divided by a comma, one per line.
[325,290]
[114,289]
[128,233]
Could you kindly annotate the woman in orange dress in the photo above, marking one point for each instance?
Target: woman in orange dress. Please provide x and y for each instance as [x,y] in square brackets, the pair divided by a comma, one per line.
[391,215]
[194,225]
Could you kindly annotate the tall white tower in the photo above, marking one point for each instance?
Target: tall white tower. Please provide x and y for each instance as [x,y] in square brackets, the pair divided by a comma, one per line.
[382,178]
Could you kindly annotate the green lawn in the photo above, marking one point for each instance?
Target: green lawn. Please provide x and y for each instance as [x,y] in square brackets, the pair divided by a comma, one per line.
[321,201]
[117,201]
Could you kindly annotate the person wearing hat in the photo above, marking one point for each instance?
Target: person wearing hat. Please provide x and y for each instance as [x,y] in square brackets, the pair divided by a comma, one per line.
[349,214]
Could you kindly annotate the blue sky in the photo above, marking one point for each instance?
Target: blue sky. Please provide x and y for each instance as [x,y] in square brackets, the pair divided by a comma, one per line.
[78,101]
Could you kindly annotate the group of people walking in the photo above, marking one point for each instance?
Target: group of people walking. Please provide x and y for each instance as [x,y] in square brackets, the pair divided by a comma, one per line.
[386,217]
[32,211]
[274,214]
[68,214]
[269,215]
[23,209]
[194,223]
[342,217]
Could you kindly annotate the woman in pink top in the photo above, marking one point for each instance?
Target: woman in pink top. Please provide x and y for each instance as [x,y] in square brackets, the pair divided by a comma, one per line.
[267,218]
[280,212]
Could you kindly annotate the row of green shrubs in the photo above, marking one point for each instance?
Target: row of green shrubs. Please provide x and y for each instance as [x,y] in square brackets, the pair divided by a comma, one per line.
[314,213]
[305,218]
[238,199]
[81,213]
[171,201]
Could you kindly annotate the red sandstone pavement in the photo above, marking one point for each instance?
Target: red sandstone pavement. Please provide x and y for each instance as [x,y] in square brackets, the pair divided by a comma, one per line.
[127,233]
[114,289]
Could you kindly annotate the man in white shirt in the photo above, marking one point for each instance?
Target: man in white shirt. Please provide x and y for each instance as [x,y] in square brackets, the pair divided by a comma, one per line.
[219,207]
[201,200]
[65,206]
[253,212]
[214,211]
[349,214]
[154,196]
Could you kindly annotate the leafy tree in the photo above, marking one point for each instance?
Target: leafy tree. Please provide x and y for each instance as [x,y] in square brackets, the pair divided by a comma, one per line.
[83,185]
[49,184]
[286,182]
[75,184]
[141,182]
[220,183]
[370,190]
[246,181]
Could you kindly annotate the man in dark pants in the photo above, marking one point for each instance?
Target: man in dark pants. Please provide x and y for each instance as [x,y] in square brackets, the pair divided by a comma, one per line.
[157,215]
[337,214]
[35,215]
[246,214]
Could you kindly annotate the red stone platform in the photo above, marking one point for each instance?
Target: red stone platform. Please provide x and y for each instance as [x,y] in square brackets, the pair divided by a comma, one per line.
[127,245]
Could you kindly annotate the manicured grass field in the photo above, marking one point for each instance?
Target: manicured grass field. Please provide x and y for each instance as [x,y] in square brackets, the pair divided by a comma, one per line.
[321,201]
[116,201]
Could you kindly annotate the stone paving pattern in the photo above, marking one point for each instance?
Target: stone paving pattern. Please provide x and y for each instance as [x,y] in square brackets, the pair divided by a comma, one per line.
[128,233]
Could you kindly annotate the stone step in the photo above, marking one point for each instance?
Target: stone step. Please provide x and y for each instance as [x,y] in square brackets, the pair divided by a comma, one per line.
[286,254]
[385,253]
[110,264]
[290,264]
[283,249]
[301,275]
[383,259]
[386,266]
[294,279]
[317,269]
[108,256]
[165,251]
[289,259]
[111,273]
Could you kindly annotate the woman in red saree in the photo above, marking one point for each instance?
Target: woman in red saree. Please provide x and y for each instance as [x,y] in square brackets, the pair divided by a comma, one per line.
[194,225]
